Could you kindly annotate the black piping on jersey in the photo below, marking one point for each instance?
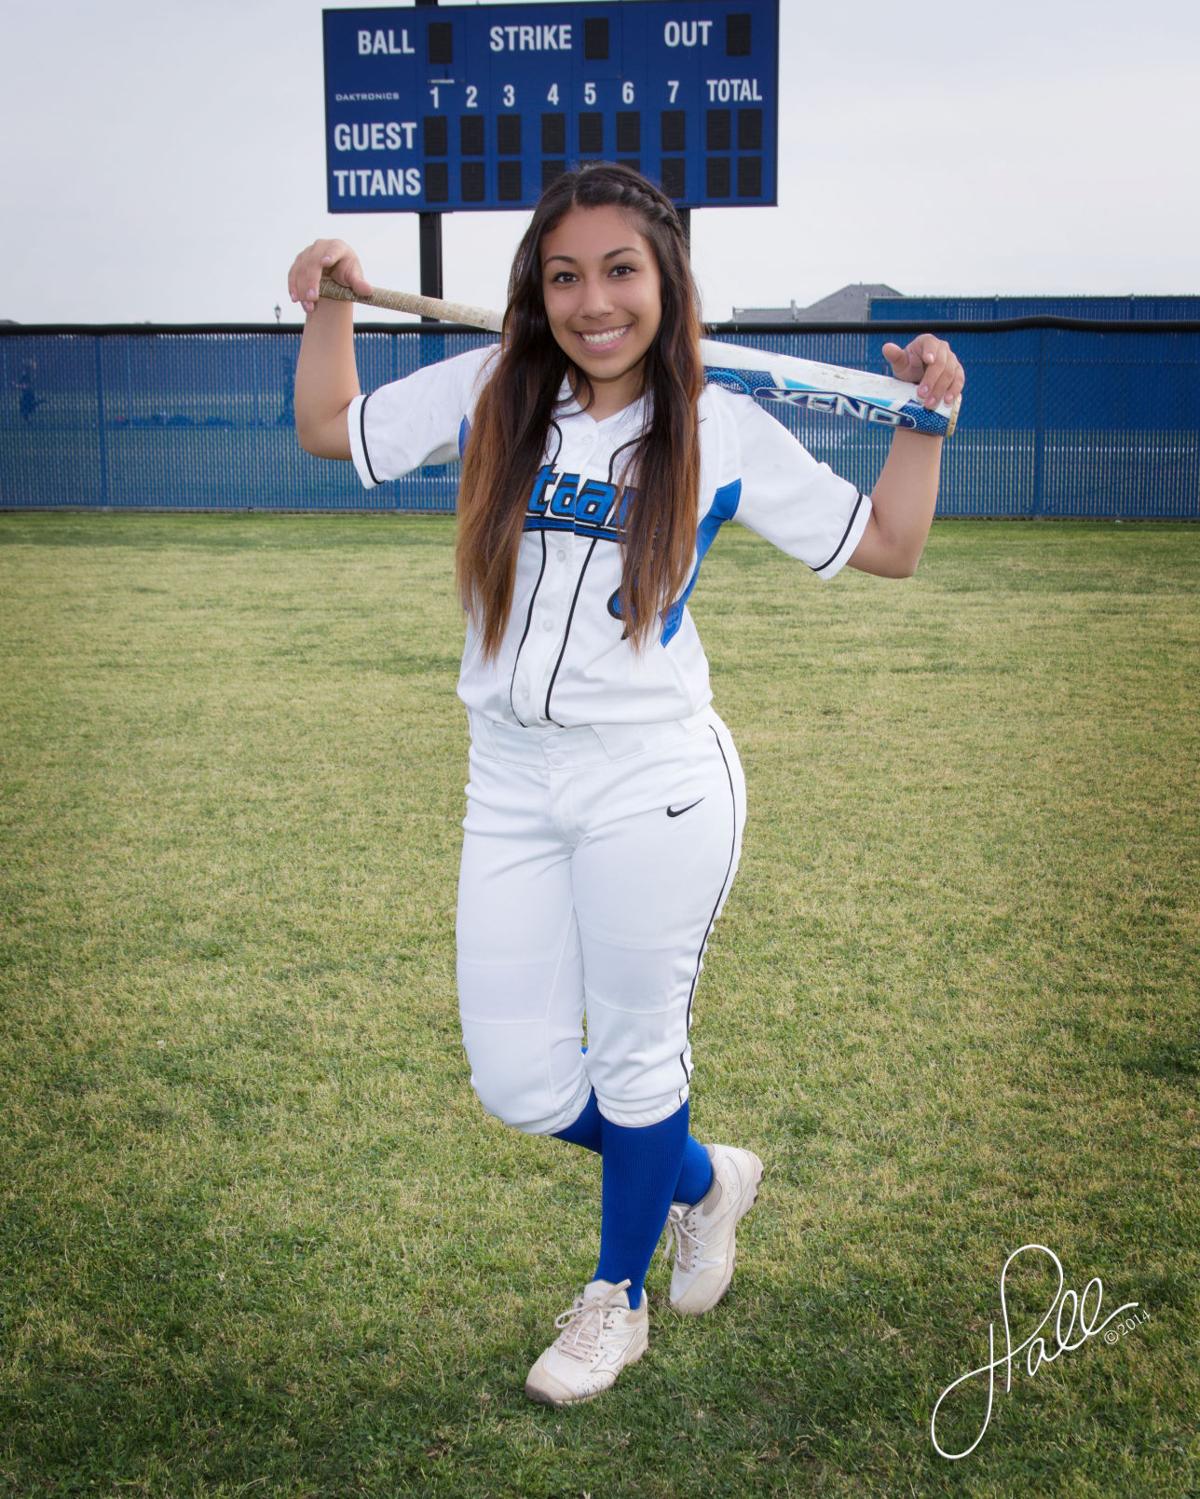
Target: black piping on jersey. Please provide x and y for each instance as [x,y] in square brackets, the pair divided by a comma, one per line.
[532,599]
[633,441]
[528,617]
[362,427]
[562,650]
[845,533]
[617,452]
[716,906]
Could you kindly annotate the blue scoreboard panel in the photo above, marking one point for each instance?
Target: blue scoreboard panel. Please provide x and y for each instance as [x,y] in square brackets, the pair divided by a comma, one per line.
[471,107]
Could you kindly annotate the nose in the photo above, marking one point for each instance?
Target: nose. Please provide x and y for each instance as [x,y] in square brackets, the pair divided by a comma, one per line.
[596,300]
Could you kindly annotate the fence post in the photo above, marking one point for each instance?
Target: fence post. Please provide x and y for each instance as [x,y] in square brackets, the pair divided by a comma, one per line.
[1039,424]
[96,343]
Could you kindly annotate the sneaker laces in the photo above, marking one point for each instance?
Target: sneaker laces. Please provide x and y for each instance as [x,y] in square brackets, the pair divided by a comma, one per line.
[584,1323]
[682,1236]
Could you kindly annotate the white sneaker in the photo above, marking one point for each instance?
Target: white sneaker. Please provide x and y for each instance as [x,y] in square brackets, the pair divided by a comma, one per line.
[600,1335]
[703,1235]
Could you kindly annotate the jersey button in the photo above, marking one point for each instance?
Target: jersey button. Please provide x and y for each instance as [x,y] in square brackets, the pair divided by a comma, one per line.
[547,624]
[562,556]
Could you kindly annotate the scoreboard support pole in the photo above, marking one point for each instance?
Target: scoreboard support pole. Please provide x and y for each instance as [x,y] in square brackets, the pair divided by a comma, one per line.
[430,231]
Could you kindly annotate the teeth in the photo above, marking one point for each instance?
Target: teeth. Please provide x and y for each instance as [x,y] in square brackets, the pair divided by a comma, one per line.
[600,340]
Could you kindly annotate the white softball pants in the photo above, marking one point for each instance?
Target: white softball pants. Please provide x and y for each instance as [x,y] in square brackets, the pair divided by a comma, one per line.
[595,862]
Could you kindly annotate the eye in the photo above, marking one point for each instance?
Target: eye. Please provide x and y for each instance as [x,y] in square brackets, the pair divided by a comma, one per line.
[560,278]
[623,270]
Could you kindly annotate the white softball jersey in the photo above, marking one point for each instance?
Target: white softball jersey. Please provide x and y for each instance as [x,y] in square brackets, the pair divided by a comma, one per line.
[563,661]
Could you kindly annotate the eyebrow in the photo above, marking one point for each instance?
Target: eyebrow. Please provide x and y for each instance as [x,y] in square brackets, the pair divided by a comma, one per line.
[624,250]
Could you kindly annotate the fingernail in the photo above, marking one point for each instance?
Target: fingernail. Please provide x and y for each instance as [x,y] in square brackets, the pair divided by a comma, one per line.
[312,291]
[923,390]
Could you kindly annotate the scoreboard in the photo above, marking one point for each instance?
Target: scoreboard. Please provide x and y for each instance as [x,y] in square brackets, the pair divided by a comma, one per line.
[479,107]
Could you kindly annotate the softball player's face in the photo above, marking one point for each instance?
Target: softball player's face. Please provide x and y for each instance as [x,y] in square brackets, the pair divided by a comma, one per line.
[602,289]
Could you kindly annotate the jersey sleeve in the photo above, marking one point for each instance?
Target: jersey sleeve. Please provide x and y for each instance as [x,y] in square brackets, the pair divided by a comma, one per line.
[787,496]
[419,419]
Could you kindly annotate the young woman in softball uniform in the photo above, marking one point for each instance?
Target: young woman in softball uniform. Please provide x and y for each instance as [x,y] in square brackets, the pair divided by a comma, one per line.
[606,801]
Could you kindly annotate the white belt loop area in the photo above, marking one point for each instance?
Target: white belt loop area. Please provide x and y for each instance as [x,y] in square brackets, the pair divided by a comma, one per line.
[587,744]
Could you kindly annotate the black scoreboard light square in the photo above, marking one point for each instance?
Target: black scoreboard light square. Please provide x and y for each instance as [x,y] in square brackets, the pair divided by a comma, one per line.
[510,181]
[749,177]
[508,135]
[554,135]
[632,162]
[629,130]
[737,35]
[437,182]
[470,135]
[591,132]
[440,41]
[595,40]
[472,181]
[436,137]
[674,176]
[674,130]
[749,129]
[551,172]
[717,176]
[719,135]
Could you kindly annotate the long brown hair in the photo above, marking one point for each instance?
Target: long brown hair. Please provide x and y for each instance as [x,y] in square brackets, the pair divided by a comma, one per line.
[516,406]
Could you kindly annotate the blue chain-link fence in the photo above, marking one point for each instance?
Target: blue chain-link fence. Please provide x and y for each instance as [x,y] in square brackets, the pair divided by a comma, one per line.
[1059,418]
[992,309]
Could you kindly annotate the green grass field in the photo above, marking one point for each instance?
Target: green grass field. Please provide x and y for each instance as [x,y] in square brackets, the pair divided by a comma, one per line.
[257,1237]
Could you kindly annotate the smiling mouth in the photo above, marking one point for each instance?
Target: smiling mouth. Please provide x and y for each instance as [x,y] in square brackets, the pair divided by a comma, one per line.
[606,339]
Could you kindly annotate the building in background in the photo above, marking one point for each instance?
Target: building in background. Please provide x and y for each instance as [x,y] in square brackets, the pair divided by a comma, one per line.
[850,305]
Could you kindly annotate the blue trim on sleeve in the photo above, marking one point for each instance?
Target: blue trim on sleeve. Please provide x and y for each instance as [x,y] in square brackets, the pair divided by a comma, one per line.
[464,431]
[723,508]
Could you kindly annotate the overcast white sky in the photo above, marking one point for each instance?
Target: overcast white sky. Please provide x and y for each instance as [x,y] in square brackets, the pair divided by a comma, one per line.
[165,160]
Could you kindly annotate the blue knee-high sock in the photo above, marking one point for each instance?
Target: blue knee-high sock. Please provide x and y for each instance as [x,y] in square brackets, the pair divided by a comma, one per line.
[586,1129]
[641,1167]
[695,1174]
